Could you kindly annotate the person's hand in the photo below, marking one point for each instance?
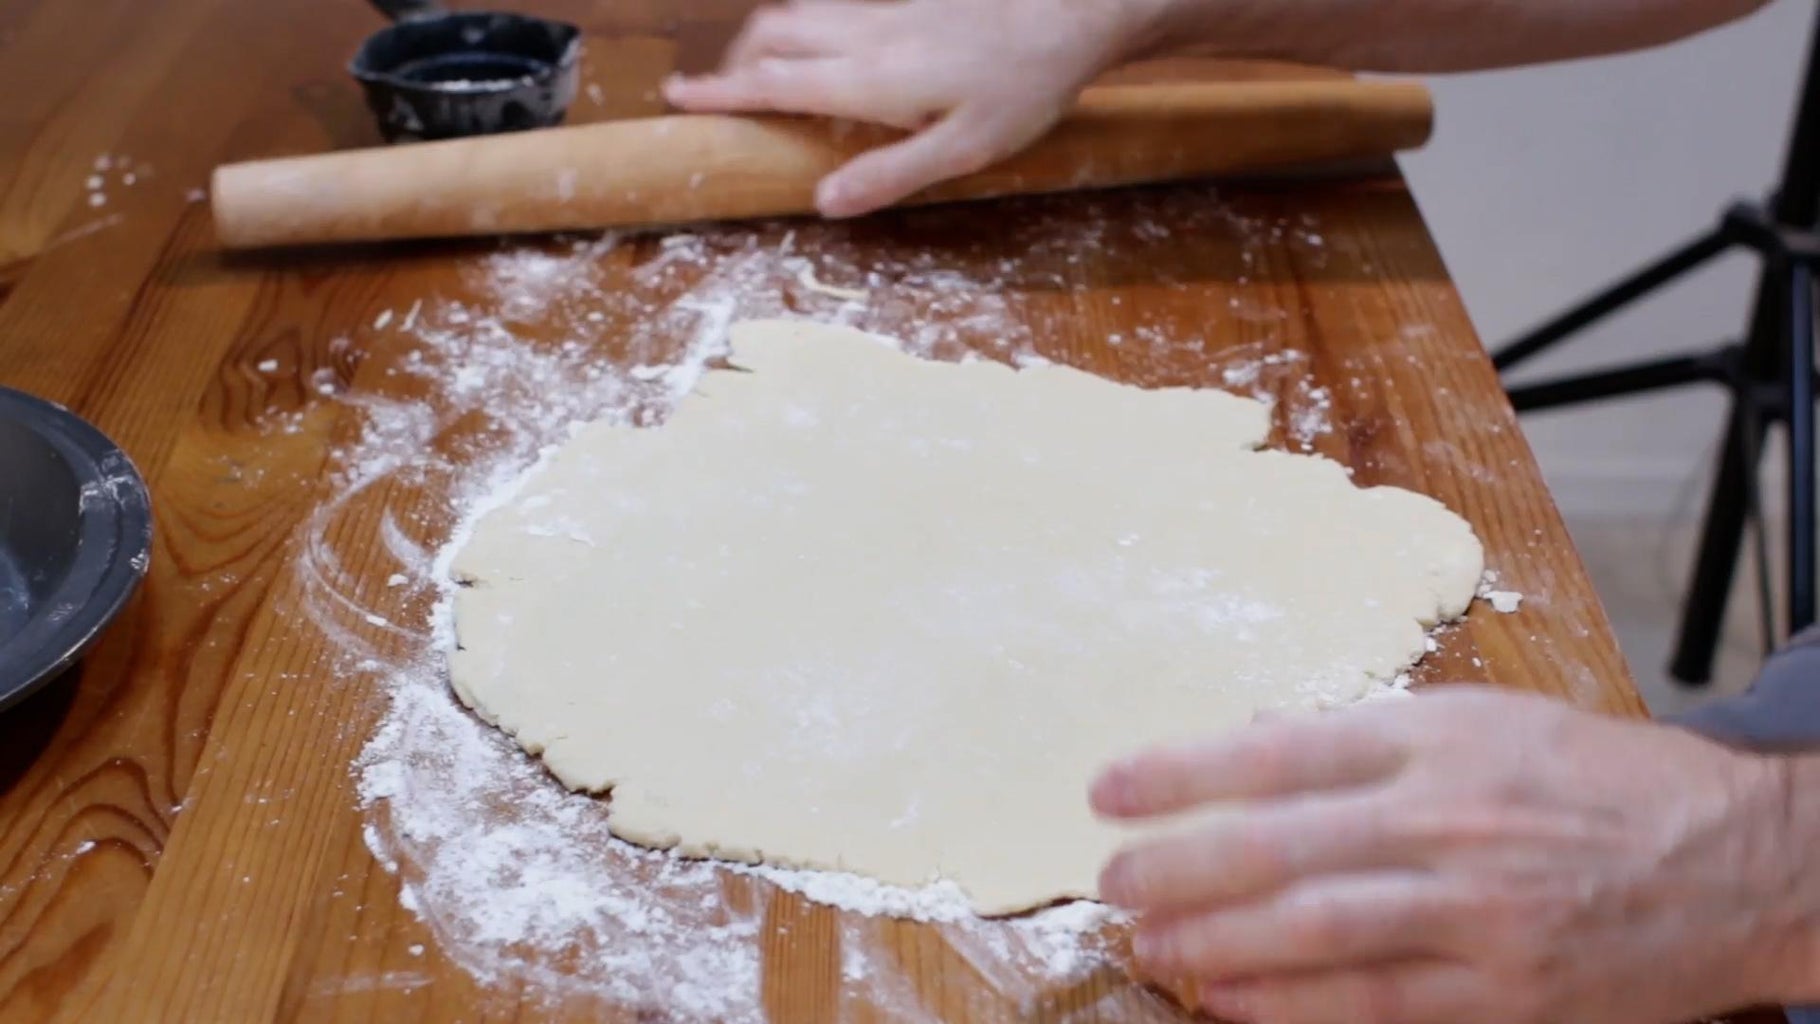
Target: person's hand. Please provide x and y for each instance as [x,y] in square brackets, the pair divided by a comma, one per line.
[1466,856]
[973,81]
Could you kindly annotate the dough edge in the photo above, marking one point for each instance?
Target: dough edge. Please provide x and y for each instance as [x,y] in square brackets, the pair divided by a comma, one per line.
[1454,597]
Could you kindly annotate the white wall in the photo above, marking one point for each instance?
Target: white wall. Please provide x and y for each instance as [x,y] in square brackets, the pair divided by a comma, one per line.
[1544,183]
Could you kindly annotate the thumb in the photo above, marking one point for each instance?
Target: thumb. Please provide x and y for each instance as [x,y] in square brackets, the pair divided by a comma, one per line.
[958,144]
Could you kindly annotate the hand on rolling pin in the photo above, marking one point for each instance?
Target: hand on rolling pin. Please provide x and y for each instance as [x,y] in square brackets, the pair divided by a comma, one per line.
[1472,856]
[977,80]
[974,82]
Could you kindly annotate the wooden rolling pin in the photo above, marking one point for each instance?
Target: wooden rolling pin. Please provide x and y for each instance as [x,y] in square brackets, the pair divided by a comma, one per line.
[687,168]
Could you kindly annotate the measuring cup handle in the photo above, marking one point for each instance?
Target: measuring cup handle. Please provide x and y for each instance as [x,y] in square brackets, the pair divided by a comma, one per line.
[408,10]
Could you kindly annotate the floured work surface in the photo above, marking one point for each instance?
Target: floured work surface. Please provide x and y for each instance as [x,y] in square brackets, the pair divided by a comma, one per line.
[184,840]
[851,609]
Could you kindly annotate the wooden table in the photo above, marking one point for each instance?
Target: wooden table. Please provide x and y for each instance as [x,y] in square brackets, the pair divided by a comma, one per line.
[180,838]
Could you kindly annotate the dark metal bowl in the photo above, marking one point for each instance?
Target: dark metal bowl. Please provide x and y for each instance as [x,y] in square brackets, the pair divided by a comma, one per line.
[447,75]
[75,539]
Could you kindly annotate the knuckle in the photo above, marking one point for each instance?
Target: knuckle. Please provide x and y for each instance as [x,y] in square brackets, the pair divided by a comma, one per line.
[1165,873]
[1460,824]
[1165,949]
[1515,788]
[1254,857]
[1320,926]
[770,71]
[1193,867]
[1197,942]
[1369,828]
[1125,878]
[1272,756]
[1184,870]
[769,80]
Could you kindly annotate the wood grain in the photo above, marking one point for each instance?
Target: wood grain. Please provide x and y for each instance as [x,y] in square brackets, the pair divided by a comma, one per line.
[179,838]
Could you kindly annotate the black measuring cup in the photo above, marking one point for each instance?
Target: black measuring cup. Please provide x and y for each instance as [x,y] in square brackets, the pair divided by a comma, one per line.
[436,74]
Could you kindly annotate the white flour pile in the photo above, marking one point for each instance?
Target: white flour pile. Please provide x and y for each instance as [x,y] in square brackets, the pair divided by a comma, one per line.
[519,879]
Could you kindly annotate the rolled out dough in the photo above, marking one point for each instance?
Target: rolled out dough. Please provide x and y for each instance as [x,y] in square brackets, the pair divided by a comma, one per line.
[856,610]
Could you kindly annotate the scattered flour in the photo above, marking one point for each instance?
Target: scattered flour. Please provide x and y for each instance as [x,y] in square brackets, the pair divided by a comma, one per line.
[1505,601]
[805,276]
[112,168]
[518,880]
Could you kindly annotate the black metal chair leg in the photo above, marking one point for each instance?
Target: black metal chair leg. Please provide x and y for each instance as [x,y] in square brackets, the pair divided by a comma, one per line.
[1703,614]
[1630,380]
[1771,378]
[1758,523]
[1801,471]
[1614,298]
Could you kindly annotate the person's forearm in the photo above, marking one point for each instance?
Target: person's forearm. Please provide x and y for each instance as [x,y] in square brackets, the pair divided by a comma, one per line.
[1423,35]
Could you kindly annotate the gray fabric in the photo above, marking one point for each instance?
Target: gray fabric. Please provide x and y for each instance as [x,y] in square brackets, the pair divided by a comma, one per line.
[1780,712]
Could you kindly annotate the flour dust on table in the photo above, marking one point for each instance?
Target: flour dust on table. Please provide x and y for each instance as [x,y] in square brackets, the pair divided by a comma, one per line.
[518,880]
[851,609]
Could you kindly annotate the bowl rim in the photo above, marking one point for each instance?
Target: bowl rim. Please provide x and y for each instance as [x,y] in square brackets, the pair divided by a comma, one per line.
[568,37]
[113,548]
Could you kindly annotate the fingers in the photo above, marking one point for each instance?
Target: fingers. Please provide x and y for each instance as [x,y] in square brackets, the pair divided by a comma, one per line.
[820,85]
[958,144]
[1323,925]
[1414,992]
[796,30]
[805,58]
[773,83]
[1244,855]
[1282,758]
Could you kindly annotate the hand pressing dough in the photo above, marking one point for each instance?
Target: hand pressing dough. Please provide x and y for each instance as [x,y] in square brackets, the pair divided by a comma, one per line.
[851,609]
